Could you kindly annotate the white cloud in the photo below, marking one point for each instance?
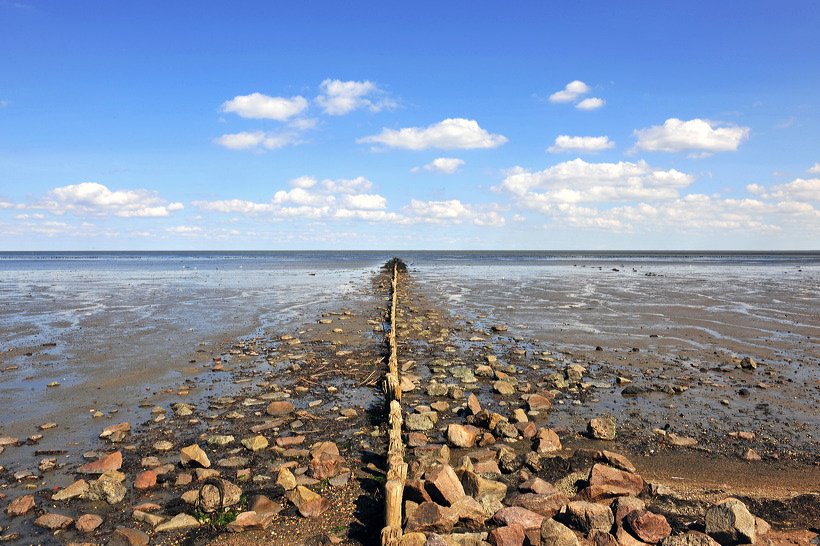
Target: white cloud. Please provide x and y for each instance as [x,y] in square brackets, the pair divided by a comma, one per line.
[241,141]
[259,106]
[798,189]
[577,180]
[443,165]
[572,91]
[453,211]
[96,199]
[258,140]
[592,103]
[566,143]
[340,97]
[236,206]
[300,196]
[449,134]
[814,169]
[677,136]
[363,201]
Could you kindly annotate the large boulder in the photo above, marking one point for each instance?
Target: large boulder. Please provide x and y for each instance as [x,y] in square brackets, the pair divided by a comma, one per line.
[730,522]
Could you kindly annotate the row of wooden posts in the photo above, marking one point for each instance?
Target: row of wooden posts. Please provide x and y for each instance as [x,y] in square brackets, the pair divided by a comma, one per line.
[396,466]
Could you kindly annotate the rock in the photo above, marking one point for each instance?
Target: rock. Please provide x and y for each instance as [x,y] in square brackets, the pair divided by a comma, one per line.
[210,495]
[547,441]
[470,512]
[692,538]
[163,445]
[473,405]
[648,527]
[145,480]
[203,474]
[418,422]
[280,407]
[20,505]
[618,461]
[622,506]
[602,428]
[88,522]
[730,522]
[53,521]
[443,484]
[751,455]
[537,485]
[547,505]
[748,363]
[510,515]
[289,441]
[106,488]
[314,508]
[194,455]
[233,462]
[123,536]
[116,433]
[220,440]
[76,489]
[680,441]
[554,533]
[480,488]
[511,535]
[248,520]
[431,517]
[617,481]
[301,495]
[600,538]
[537,402]
[325,466]
[177,523]
[586,516]
[504,388]
[264,506]
[286,479]
[8,441]
[151,519]
[460,436]
[103,464]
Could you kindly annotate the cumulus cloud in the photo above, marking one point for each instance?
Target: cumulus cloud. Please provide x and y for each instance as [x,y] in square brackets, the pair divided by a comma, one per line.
[341,185]
[676,135]
[453,211]
[454,133]
[591,103]
[577,180]
[814,169]
[313,199]
[443,165]
[259,106]
[566,143]
[571,92]
[798,189]
[259,140]
[90,198]
[341,97]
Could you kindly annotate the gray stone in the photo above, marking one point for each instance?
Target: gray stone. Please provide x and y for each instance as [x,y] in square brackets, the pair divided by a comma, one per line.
[730,522]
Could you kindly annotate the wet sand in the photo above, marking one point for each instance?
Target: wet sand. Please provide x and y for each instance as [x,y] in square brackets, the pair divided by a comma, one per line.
[783,415]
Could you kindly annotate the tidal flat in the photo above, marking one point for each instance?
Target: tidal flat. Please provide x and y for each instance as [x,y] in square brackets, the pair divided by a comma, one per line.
[664,344]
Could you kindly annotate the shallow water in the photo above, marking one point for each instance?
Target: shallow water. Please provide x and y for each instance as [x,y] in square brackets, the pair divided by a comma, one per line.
[105,326]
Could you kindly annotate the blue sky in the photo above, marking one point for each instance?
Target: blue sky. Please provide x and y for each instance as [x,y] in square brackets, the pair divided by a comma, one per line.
[425,125]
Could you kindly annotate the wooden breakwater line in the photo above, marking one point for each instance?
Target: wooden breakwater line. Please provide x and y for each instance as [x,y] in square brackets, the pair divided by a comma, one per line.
[396,466]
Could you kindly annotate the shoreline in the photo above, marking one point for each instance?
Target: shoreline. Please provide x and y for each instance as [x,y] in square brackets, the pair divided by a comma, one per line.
[325,358]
